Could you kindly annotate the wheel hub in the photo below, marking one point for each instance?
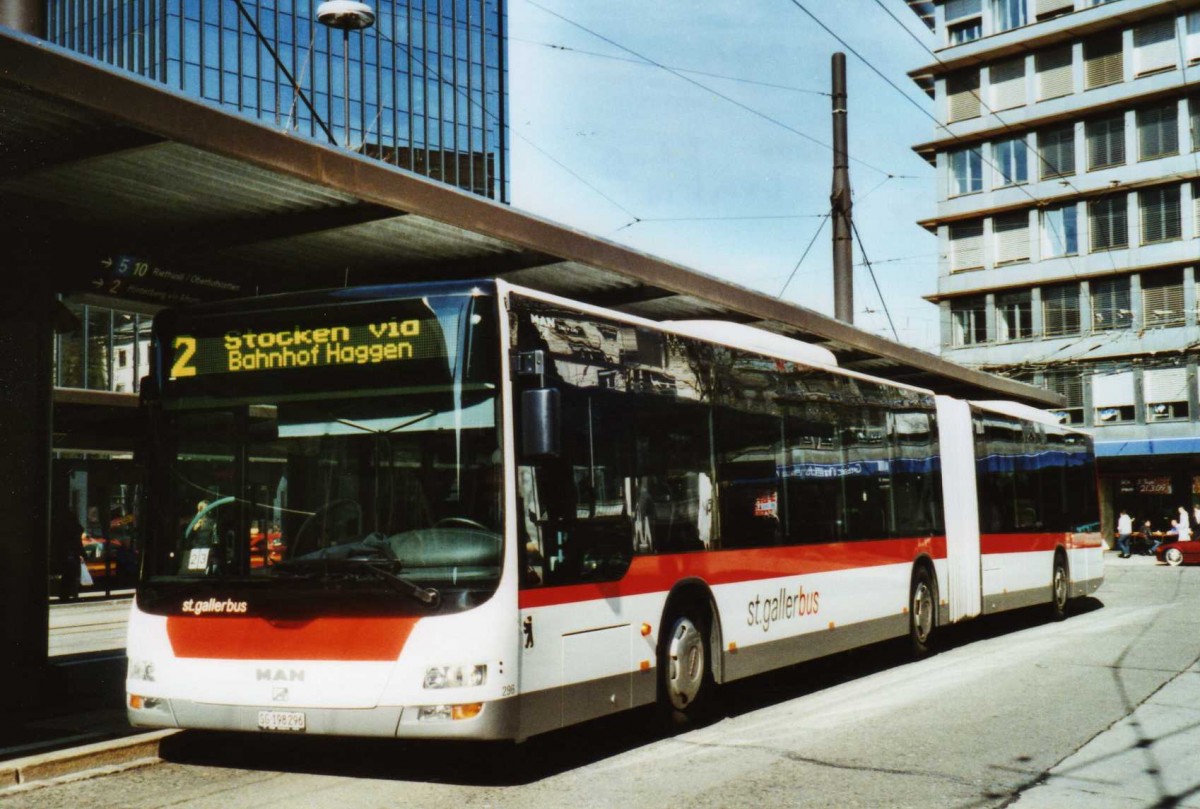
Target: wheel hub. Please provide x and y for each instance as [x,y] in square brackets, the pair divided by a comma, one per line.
[685,663]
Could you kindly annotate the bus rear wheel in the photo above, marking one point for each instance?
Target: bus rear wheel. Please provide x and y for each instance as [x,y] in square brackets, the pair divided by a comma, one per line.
[922,613]
[685,669]
[1060,586]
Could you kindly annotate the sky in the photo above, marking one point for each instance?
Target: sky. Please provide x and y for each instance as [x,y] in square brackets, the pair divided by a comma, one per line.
[699,131]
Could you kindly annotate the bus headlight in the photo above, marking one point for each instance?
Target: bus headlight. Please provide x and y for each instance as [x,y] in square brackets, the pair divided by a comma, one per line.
[141,670]
[455,676]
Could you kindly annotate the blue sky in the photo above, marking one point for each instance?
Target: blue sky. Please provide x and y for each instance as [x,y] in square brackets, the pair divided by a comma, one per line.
[733,186]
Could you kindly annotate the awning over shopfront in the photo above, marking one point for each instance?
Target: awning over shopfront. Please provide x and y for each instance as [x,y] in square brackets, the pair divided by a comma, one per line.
[1147,446]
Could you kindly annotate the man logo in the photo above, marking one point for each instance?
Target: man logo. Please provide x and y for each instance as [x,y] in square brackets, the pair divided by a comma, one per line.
[279,694]
[280,675]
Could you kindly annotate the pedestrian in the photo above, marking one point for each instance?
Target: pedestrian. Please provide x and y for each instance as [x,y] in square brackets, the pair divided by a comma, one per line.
[1153,540]
[1124,530]
[1196,515]
[66,540]
[1185,530]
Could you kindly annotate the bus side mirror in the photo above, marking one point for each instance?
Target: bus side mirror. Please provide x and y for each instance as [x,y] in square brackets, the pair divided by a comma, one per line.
[541,417]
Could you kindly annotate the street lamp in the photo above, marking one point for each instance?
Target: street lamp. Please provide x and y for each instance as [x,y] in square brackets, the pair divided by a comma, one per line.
[346,16]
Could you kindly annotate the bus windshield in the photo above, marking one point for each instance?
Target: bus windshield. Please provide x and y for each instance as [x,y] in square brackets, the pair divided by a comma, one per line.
[374,484]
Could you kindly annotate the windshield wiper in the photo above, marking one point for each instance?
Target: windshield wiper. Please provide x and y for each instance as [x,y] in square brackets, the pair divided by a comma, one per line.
[347,558]
[428,596]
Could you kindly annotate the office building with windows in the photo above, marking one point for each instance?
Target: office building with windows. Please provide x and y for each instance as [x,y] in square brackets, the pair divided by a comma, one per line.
[427,80]
[1068,219]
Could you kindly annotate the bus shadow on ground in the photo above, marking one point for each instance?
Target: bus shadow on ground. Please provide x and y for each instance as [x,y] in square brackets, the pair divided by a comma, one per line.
[504,764]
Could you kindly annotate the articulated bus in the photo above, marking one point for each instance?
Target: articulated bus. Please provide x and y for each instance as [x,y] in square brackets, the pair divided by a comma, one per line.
[473,510]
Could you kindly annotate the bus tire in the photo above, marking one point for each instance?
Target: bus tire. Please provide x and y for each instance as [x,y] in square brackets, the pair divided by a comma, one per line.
[922,612]
[685,681]
[1060,588]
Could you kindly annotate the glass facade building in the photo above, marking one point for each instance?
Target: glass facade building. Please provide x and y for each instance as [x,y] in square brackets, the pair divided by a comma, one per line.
[427,82]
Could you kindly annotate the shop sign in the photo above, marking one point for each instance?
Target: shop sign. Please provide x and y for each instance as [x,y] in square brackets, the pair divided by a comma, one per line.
[1153,485]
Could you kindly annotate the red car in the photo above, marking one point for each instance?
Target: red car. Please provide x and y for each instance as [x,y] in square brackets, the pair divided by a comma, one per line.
[1179,553]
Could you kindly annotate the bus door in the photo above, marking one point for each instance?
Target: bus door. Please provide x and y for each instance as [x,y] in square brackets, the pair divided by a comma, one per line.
[576,530]
[960,502]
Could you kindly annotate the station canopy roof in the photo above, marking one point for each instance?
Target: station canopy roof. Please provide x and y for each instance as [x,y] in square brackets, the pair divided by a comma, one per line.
[106,177]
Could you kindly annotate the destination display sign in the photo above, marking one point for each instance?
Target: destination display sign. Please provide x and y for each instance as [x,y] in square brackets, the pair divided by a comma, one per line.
[265,348]
[304,347]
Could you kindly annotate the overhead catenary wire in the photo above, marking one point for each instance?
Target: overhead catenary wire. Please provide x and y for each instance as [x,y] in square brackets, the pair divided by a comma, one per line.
[710,90]
[882,300]
[804,255]
[642,62]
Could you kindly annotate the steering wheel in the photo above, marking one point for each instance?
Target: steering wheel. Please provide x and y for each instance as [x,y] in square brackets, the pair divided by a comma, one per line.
[467,521]
[311,521]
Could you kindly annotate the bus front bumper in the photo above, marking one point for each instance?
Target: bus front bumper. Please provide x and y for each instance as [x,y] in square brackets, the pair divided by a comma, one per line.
[495,720]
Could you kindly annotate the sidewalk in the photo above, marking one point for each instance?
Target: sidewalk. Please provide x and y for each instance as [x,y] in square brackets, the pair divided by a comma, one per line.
[84,730]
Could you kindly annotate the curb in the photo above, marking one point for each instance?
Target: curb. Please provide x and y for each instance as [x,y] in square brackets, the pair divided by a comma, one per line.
[73,761]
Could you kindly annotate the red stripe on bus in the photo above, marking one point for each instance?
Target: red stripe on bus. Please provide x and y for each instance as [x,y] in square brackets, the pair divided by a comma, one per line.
[1020,543]
[239,638]
[654,574]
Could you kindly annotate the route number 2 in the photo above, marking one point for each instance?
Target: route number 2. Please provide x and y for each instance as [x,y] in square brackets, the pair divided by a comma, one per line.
[185,349]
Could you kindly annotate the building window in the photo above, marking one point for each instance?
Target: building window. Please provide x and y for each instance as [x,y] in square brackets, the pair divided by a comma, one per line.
[1110,304]
[1014,316]
[1154,47]
[1008,14]
[1105,142]
[1108,222]
[1160,217]
[1112,398]
[960,33]
[1060,231]
[1069,385]
[1060,310]
[1192,42]
[966,246]
[1158,131]
[962,90]
[1007,84]
[1162,299]
[1056,151]
[1054,73]
[968,319]
[963,20]
[966,172]
[1194,122]
[1165,392]
[1196,207]
[1012,161]
[110,351]
[1103,59]
[1053,8]
[1011,232]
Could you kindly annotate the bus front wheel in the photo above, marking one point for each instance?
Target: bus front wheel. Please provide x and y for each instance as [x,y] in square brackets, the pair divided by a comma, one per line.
[685,669]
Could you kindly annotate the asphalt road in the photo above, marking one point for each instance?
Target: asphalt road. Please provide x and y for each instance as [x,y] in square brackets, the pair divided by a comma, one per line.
[1102,710]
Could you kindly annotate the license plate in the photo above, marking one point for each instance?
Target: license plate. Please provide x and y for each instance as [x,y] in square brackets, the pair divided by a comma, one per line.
[292,721]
